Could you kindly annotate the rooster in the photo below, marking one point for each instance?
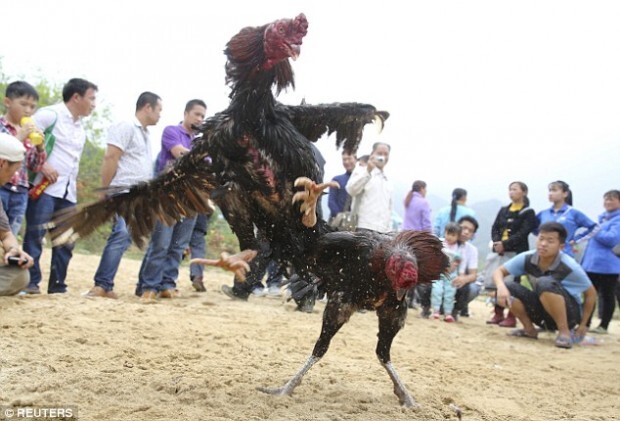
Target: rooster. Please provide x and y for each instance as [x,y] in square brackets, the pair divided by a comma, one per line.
[247,161]
[365,270]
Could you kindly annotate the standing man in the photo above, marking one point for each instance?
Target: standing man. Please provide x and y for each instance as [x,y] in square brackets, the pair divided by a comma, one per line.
[58,178]
[12,278]
[160,265]
[127,161]
[337,199]
[371,189]
[417,209]
[557,280]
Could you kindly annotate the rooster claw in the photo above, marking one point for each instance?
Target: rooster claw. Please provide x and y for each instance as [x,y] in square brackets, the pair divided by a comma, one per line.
[309,198]
[237,263]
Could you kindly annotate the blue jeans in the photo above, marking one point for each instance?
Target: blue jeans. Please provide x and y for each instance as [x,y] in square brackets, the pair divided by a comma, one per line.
[198,245]
[39,212]
[160,265]
[14,204]
[118,242]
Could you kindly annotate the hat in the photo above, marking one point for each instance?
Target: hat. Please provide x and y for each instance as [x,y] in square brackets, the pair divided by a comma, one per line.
[11,149]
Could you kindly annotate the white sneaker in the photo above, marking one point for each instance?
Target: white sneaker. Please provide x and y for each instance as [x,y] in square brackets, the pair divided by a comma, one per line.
[259,292]
[273,291]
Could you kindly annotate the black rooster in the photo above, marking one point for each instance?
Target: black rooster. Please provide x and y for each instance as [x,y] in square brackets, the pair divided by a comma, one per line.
[248,160]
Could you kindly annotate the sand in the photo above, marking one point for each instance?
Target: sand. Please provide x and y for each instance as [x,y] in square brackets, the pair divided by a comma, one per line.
[201,357]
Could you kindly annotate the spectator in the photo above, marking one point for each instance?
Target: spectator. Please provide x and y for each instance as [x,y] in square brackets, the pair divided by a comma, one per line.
[127,161]
[417,208]
[600,262]
[21,101]
[466,287]
[563,212]
[371,188]
[58,178]
[452,213]
[198,250]
[558,283]
[442,289]
[160,265]
[12,278]
[509,234]
[338,198]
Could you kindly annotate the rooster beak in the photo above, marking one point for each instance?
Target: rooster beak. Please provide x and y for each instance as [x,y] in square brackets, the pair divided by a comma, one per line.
[400,293]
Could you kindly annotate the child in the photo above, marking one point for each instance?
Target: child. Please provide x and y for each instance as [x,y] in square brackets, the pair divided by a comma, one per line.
[20,101]
[442,288]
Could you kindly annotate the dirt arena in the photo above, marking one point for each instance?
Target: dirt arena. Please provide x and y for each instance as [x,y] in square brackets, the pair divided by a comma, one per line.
[201,357]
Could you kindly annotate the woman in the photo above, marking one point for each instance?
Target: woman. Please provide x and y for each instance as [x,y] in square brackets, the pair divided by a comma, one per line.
[452,213]
[509,234]
[563,212]
[417,209]
[599,260]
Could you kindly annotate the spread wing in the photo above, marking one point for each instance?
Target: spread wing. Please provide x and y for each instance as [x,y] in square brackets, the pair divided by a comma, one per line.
[347,120]
[182,191]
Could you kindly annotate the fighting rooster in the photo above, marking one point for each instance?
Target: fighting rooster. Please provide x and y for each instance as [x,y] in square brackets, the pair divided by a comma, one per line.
[366,270]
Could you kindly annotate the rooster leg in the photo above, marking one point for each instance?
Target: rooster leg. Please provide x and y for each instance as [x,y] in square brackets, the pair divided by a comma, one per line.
[391,319]
[336,314]
[309,197]
[237,263]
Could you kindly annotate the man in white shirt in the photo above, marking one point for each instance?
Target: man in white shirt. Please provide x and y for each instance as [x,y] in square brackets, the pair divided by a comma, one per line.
[59,173]
[127,161]
[372,191]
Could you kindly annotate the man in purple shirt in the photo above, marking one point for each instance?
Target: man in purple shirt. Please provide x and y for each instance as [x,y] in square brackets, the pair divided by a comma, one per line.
[417,209]
[160,265]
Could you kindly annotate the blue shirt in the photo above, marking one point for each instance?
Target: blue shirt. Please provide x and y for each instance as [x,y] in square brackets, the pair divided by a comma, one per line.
[564,269]
[571,219]
[599,256]
[338,197]
[443,217]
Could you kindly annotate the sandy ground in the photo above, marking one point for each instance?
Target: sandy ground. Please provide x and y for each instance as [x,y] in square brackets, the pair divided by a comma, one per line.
[201,357]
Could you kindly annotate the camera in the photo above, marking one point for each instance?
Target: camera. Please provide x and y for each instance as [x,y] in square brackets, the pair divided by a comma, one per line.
[15,261]
[380,158]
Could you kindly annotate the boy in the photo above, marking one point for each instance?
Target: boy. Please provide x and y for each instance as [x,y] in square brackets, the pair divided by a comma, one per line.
[20,101]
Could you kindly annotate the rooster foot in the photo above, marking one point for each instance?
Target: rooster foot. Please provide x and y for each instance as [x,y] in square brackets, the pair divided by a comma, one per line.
[405,399]
[309,197]
[277,391]
[237,263]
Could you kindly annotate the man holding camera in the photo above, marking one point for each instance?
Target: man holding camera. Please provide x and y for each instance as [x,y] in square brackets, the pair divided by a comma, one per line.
[13,274]
[372,191]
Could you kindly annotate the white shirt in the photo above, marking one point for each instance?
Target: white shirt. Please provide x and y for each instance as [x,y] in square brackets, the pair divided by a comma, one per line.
[65,156]
[135,163]
[373,195]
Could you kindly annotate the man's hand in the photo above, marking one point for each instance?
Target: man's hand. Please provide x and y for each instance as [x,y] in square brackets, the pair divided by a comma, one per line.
[49,172]
[460,281]
[503,296]
[26,261]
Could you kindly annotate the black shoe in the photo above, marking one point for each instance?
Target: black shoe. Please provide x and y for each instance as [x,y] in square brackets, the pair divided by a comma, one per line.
[198,284]
[230,292]
[464,314]
[426,312]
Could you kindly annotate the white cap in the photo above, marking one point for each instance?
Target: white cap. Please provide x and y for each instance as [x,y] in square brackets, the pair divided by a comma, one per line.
[11,149]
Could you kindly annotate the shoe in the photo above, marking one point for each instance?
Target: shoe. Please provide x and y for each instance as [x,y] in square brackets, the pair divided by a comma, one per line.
[30,290]
[230,292]
[197,283]
[564,342]
[436,315]
[426,312]
[464,313]
[599,330]
[148,297]
[273,291]
[498,316]
[449,319]
[509,321]
[259,292]
[168,293]
[98,291]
